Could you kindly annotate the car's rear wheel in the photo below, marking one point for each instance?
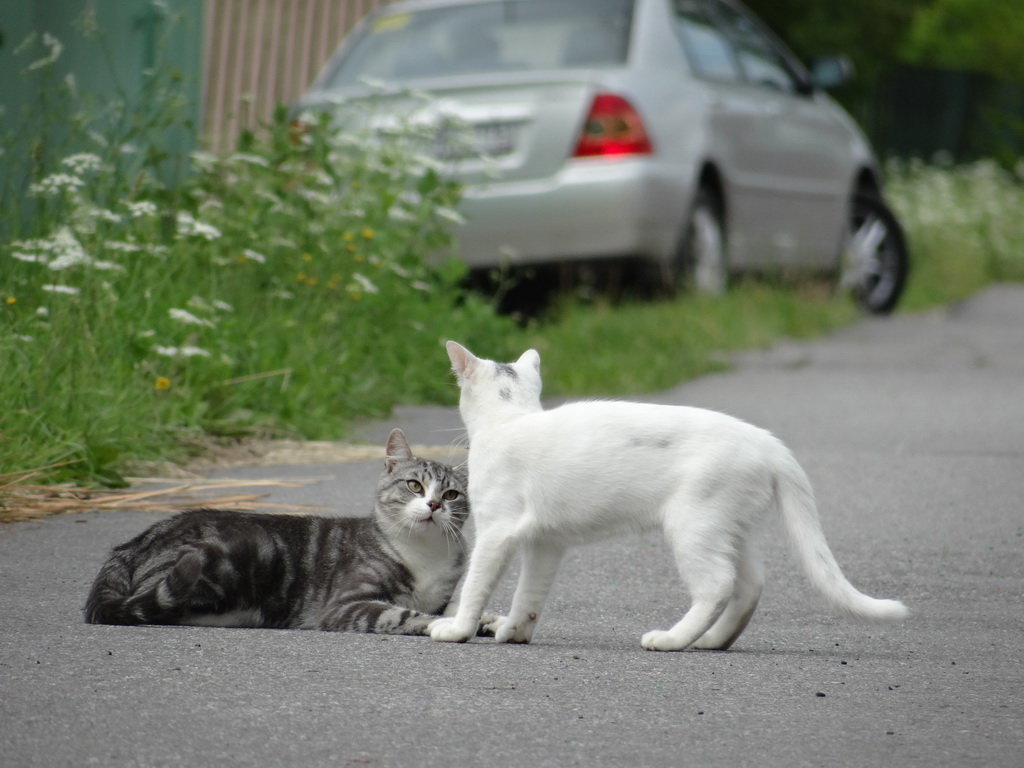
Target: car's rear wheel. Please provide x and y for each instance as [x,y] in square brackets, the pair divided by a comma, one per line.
[701,262]
[875,260]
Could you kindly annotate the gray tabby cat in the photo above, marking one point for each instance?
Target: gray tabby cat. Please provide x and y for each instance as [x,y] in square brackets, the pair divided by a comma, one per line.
[390,573]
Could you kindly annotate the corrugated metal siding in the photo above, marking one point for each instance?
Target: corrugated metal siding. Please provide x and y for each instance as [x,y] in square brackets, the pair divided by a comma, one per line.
[261,53]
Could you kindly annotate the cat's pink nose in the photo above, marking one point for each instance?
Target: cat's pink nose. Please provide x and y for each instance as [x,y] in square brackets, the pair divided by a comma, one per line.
[434,505]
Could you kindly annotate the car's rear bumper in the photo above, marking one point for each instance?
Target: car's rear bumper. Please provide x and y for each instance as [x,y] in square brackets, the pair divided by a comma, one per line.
[592,209]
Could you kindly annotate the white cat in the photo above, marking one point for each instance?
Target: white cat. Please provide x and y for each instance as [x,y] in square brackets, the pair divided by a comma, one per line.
[540,481]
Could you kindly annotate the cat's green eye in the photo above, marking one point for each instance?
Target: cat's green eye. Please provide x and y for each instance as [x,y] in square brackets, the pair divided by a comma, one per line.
[450,495]
[415,486]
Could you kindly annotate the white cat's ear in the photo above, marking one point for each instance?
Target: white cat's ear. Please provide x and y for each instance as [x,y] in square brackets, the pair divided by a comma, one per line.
[397,449]
[531,356]
[463,361]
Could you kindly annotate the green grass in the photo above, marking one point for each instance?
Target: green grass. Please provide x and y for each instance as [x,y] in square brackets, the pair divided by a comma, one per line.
[607,350]
[283,290]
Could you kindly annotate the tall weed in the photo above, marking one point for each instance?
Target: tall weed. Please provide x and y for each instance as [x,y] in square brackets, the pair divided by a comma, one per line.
[964,225]
[284,289]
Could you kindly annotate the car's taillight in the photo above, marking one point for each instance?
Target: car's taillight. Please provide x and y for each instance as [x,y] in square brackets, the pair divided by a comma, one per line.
[612,127]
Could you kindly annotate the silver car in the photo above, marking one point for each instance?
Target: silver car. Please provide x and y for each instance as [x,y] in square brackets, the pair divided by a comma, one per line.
[679,132]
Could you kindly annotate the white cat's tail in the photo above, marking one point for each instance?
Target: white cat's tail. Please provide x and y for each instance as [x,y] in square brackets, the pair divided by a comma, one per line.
[795,499]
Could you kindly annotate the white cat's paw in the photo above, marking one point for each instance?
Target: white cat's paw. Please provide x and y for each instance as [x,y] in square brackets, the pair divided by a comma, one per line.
[448,630]
[516,631]
[490,624]
[659,640]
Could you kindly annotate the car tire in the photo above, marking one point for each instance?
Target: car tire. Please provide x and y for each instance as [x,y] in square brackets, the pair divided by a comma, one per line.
[875,261]
[701,261]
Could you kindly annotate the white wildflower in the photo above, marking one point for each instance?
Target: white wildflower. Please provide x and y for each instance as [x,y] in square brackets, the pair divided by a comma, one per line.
[199,303]
[450,214]
[427,162]
[211,204]
[223,306]
[399,270]
[420,286]
[185,351]
[397,213]
[68,251]
[186,317]
[52,55]
[188,225]
[365,283]
[254,256]
[243,157]
[68,289]
[314,196]
[83,162]
[42,311]
[121,246]
[24,338]
[205,161]
[56,184]
[101,214]
[142,208]
[29,257]
[105,265]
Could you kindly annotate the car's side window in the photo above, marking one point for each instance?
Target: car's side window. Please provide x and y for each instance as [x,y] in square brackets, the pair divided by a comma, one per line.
[706,47]
[762,63]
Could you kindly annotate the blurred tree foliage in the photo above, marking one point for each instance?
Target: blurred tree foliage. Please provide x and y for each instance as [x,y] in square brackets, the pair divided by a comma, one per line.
[974,35]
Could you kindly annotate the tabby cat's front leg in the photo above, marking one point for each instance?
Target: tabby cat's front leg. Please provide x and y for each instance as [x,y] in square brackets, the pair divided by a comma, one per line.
[374,616]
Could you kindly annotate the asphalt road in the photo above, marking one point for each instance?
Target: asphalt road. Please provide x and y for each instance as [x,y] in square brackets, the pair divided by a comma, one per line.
[912,430]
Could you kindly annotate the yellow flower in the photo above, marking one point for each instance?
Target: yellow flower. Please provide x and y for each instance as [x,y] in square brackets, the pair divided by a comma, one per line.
[368,233]
[301,277]
[307,257]
[11,300]
[162,384]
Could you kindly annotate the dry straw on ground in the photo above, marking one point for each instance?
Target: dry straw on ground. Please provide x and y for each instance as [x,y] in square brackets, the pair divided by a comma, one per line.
[165,487]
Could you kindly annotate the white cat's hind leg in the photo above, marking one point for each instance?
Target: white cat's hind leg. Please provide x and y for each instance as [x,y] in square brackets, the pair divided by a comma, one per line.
[540,563]
[737,613]
[707,570]
[695,622]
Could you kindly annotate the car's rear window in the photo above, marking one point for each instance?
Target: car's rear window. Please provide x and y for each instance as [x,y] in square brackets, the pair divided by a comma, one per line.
[505,35]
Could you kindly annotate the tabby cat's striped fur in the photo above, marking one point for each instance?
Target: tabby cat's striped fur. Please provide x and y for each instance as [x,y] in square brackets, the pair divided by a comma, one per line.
[393,572]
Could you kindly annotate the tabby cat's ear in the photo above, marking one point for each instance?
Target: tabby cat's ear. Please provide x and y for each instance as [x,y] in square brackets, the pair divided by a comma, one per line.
[397,449]
[463,361]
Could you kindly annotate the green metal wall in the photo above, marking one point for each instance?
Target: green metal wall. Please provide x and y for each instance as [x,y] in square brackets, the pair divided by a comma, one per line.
[133,35]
